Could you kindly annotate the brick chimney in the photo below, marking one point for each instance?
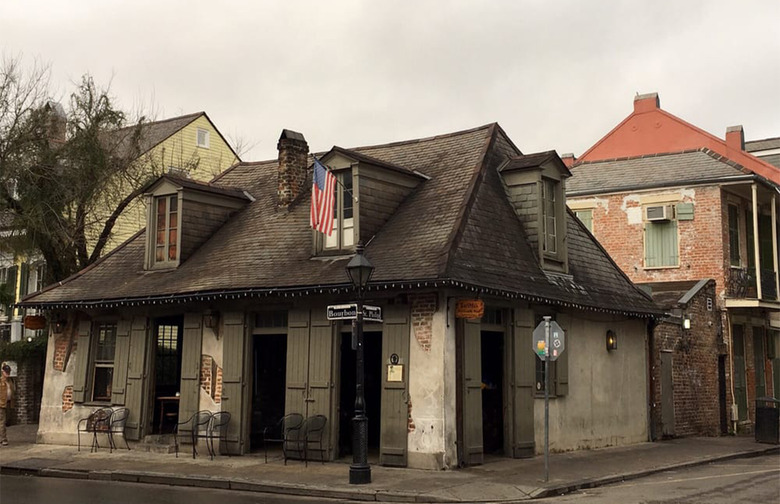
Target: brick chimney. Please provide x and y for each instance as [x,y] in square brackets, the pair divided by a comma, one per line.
[568,159]
[735,138]
[646,103]
[293,163]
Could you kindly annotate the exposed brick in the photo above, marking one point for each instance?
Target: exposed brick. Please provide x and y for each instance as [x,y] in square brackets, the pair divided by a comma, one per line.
[67,398]
[423,308]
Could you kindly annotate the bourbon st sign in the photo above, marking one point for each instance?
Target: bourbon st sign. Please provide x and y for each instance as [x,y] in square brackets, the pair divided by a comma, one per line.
[349,312]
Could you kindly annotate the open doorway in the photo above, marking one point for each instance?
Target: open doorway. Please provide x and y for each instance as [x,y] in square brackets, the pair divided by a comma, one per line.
[492,347]
[167,373]
[269,376]
[372,355]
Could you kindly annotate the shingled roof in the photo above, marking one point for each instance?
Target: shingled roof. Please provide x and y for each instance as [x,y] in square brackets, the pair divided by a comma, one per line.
[693,167]
[456,229]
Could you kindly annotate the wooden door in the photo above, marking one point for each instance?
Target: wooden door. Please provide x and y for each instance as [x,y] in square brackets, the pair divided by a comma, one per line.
[395,389]
[740,378]
[667,394]
[297,362]
[472,393]
[137,381]
[189,389]
[522,386]
[234,390]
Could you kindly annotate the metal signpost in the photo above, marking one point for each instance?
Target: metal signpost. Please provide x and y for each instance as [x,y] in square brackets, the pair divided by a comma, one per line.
[349,312]
[548,334]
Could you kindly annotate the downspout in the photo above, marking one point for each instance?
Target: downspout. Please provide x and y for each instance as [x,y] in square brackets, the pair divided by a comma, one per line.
[756,251]
[650,386]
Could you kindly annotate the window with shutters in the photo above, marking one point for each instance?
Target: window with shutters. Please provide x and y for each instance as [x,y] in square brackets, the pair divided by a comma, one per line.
[734,256]
[101,363]
[661,242]
[166,231]
[343,236]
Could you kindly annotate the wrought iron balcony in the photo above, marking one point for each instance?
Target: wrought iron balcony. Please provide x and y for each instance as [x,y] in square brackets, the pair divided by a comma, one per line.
[742,284]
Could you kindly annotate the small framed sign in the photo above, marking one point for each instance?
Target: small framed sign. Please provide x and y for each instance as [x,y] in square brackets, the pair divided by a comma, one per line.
[395,372]
[470,308]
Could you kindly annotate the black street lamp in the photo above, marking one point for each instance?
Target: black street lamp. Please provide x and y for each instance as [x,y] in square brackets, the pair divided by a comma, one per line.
[359,271]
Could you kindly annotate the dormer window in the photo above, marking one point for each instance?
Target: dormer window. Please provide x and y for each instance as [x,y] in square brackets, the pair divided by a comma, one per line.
[166,230]
[550,216]
[343,235]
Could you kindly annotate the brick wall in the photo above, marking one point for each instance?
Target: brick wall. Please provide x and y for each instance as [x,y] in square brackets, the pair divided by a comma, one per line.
[423,308]
[699,258]
[211,377]
[695,355]
[29,390]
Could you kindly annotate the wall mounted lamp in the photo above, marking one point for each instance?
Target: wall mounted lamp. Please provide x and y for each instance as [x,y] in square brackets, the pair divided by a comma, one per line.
[611,340]
[211,320]
[686,323]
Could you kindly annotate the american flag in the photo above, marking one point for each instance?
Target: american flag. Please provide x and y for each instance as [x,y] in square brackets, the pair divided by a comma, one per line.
[323,191]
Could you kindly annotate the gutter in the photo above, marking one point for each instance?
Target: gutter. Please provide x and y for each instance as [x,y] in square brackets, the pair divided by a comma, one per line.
[342,288]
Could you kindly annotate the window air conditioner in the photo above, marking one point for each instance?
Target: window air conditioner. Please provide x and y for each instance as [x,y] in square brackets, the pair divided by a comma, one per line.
[659,213]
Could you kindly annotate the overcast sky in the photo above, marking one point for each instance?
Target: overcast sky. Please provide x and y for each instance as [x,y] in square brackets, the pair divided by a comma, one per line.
[555,74]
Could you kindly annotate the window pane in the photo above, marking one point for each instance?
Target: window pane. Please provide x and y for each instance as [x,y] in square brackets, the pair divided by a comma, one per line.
[348,238]
[734,235]
[172,253]
[159,254]
[586,217]
[106,342]
[332,241]
[104,376]
[346,180]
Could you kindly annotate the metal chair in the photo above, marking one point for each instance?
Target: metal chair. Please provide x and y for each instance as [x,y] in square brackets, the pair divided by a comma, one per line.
[285,432]
[116,425]
[192,427]
[217,428]
[97,421]
[313,432]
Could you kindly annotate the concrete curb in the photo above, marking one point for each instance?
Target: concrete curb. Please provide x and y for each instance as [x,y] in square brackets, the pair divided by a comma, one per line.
[355,494]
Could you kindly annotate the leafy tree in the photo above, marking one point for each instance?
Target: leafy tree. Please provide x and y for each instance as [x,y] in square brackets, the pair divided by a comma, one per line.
[65,176]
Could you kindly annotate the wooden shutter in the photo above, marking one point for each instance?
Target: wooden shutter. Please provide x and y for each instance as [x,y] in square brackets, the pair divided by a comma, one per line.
[319,395]
[524,378]
[233,382]
[472,392]
[395,404]
[121,358]
[684,211]
[560,377]
[661,244]
[82,362]
[136,379]
[24,278]
[10,283]
[297,361]
[189,388]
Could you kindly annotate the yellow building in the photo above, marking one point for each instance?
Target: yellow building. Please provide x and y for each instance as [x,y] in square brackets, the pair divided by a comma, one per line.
[189,146]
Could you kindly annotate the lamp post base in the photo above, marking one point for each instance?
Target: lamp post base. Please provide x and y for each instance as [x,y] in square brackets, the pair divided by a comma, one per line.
[359,474]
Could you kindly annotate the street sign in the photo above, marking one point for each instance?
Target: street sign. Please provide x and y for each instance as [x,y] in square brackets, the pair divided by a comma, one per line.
[469,308]
[349,312]
[557,340]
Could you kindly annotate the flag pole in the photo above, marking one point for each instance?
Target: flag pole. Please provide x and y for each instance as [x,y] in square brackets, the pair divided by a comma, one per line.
[334,176]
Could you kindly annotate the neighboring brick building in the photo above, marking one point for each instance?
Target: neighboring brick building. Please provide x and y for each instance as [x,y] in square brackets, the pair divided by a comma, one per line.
[672,203]
[687,396]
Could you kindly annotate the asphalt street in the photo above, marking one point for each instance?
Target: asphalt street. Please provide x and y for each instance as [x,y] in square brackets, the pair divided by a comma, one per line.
[744,481]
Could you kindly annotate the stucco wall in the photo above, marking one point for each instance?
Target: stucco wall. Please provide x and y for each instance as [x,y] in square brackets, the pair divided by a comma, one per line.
[431,389]
[607,400]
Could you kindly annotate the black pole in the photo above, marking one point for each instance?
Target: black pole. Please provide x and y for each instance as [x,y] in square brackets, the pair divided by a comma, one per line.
[360,471]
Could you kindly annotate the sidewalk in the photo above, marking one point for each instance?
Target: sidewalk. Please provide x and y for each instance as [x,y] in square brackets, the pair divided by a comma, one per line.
[498,480]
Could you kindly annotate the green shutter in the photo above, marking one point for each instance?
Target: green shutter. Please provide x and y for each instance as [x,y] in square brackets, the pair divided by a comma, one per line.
[136,379]
[472,392]
[524,378]
[297,361]
[234,391]
[11,283]
[80,379]
[395,405]
[189,402]
[121,357]
[561,375]
[24,278]
[661,244]
[684,211]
